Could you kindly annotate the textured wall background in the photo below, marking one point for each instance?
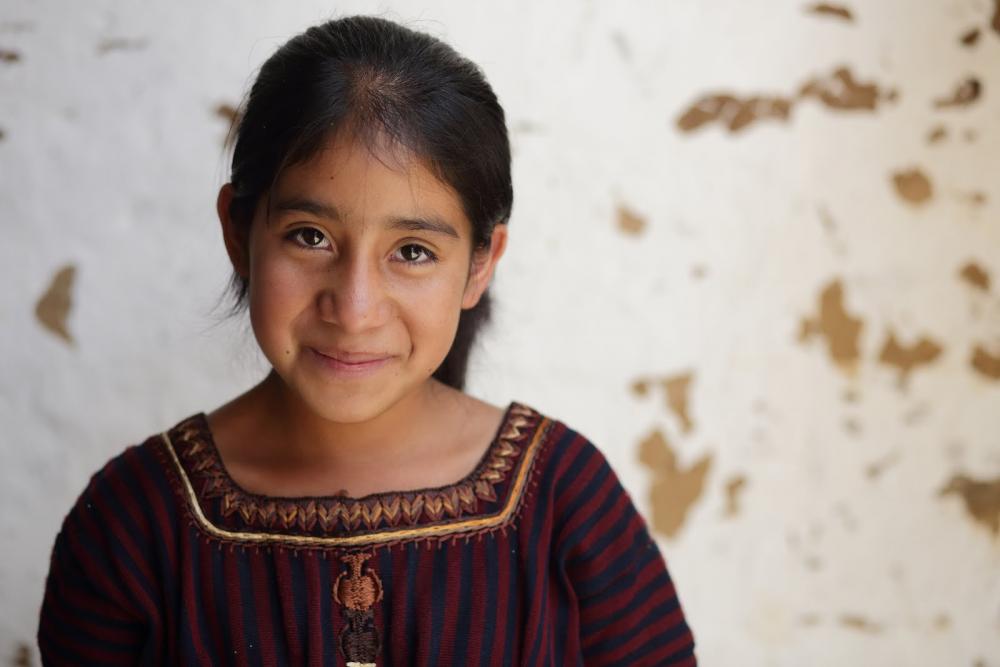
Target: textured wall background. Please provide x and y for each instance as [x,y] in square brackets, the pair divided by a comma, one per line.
[754,257]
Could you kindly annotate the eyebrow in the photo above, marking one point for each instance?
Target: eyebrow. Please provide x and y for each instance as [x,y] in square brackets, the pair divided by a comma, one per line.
[331,212]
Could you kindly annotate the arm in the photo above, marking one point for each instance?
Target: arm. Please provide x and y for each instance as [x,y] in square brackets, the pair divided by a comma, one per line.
[98,589]
[629,612]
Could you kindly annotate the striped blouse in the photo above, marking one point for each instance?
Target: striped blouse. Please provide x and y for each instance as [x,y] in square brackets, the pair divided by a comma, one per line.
[536,557]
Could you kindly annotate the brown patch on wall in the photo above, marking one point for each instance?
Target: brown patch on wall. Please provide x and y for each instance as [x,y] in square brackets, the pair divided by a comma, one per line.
[120,44]
[995,22]
[975,198]
[53,307]
[22,655]
[937,134]
[227,112]
[875,469]
[674,490]
[2,135]
[970,135]
[852,426]
[976,276]
[942,622]
[906,358]
[913,186]
[676,390]
[965,94]
[630,222]
[734,113]
[835,11]
[734,488]
[981,498]
[860,623]
[640,388]
[970,37]
[984,363]
[8,56]
[842,92]
[836,326]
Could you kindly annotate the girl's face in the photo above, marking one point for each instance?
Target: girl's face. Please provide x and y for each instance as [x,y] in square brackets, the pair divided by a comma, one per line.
[357,275]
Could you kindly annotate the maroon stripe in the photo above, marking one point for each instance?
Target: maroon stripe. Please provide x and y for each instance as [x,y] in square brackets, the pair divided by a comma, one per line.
[212,607]
[314,612]
[234,605]
[191,598]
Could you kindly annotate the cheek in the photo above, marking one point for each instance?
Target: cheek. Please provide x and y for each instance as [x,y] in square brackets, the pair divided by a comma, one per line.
[278,292]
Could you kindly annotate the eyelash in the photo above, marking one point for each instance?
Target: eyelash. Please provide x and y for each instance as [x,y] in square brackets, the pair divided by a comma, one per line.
[430,256]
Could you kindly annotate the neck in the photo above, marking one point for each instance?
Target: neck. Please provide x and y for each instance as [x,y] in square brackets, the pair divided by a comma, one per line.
[300,437]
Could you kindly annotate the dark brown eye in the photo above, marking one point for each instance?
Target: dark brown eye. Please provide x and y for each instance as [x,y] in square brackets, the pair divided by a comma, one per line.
[416,254]
[310,237]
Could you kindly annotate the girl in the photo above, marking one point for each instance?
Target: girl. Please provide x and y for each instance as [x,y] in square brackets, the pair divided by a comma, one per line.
[357,507]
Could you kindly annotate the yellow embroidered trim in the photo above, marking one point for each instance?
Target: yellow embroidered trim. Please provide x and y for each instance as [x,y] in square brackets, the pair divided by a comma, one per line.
[372,538]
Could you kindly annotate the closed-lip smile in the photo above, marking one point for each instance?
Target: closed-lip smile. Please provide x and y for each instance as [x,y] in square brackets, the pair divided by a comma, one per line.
[353,358]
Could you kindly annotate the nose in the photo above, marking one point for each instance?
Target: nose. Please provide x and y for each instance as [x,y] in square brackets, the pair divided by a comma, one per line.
[354,296]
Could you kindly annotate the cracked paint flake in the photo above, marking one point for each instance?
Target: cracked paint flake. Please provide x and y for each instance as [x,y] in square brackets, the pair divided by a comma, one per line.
[975,275]
[53,308]
[733,112]
[675,388]
[833,11]
[965,93]
[674,490]
[937,134]
[913,186]
[734,489]
[836,326]
[970,37]
[995,22]
[985,363]
[630,222]
[906,358]
[840,91]
[8,56]
[860,623]
[981,499]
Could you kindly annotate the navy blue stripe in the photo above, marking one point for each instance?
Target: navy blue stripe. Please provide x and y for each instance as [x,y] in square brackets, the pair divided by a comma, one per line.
[412,562]
[464,606]
[279,632]
[514,601]
[300,600]
[491,546]
[326,578]
[218,584]
[251,633]
[439,575]
[385,569]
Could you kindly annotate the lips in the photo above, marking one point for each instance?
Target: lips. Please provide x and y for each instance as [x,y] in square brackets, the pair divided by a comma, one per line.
[352,357]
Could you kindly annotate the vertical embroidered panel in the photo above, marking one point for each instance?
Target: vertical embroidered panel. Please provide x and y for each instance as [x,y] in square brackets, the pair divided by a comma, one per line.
[357,589]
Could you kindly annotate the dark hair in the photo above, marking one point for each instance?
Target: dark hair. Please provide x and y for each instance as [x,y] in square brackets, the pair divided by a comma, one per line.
[378,80]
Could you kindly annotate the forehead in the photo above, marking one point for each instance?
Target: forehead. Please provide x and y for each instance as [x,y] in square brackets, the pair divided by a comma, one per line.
[371,183]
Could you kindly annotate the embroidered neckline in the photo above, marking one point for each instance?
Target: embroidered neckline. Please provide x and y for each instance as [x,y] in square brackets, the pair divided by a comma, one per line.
[439,510]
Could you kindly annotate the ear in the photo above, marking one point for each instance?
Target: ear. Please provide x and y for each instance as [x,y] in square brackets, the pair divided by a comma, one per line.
[235,236]
[484,261]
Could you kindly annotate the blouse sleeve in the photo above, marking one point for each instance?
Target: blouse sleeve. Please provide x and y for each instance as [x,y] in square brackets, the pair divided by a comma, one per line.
[98,593]
[629,612]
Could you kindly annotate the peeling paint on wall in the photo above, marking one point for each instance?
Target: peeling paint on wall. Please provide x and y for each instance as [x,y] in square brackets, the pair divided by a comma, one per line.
[875,469]
[937,134]
[906,358]
[675,388]
[630,222]
[842,92]
[970,38]
[674,491]
[834,11]
[981,498]
[913,186]
[836,326]
[965,94]
[22,655]
[995,23]
[976,275]
[734,489]
[860,623]
[734,113]
[53,307]
[984,363]
[8,56]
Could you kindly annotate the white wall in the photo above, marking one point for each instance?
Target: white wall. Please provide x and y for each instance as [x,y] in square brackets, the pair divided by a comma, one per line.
[837,547]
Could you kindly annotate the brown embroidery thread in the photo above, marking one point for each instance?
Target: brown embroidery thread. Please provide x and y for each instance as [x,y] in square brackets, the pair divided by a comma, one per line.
[358,591]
